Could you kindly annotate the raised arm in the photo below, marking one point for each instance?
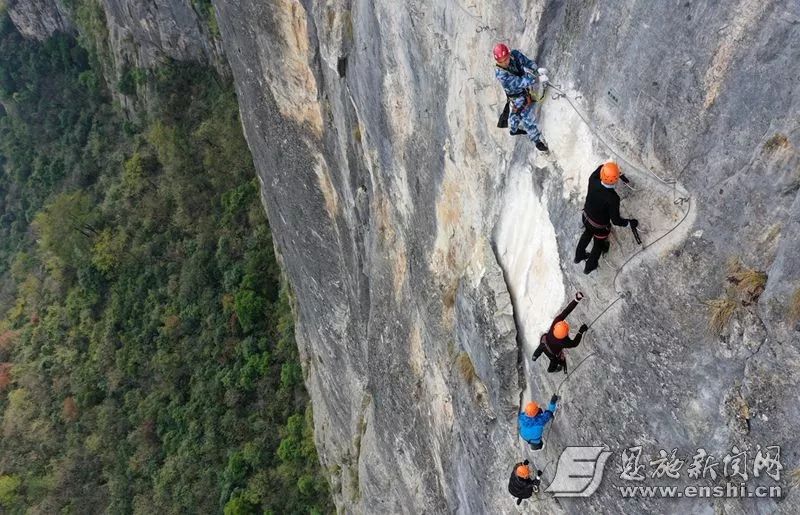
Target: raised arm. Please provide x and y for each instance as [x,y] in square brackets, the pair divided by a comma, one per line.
[551,408]
[524,60]
[564,314]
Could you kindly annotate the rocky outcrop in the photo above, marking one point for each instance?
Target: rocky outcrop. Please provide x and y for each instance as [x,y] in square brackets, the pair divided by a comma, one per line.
[138,33]
[39,19]
[144,32]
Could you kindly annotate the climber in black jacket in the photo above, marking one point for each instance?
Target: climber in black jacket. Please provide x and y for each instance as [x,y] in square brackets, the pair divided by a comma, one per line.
[557,339]
[599,212]
[520,485]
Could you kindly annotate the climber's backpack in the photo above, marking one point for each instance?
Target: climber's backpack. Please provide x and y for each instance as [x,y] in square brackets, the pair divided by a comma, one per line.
[520,488]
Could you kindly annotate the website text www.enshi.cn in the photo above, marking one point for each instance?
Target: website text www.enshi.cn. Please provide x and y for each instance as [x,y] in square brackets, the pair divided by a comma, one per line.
[730,490]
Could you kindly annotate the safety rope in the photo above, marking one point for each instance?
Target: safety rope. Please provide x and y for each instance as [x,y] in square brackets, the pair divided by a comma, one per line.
[620,294]
[558,390]
[593,129]
[647,246]
[669,182]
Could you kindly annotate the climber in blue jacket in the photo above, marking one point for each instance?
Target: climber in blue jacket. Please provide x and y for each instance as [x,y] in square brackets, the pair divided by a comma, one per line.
[515,71]
[532,421]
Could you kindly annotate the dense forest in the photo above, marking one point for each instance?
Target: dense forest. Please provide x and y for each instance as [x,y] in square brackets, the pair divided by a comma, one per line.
[147,355]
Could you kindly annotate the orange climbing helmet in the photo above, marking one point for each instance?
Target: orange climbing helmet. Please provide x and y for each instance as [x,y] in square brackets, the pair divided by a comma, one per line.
[531,409]
[561,330]
[523,471]
[501,52]
[609,173]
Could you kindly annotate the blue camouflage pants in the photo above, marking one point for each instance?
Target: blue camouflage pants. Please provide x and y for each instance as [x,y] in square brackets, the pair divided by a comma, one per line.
[526,116]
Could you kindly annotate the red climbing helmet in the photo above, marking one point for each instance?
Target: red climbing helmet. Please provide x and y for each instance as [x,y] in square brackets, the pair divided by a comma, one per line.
[501,52]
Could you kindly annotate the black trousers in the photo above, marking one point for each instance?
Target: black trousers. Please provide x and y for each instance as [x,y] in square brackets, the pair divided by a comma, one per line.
[600,245]
[557,364]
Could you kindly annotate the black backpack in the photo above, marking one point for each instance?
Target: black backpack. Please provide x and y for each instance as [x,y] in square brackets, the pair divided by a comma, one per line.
[519,487]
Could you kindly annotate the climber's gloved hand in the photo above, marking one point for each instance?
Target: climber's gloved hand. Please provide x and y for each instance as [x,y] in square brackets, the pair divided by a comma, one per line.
[624,179]
[525,462]
[583,328]
[634,223]
[579,296]
[534,357]
[544,79]
[554,399]
[539,474]
[542,71]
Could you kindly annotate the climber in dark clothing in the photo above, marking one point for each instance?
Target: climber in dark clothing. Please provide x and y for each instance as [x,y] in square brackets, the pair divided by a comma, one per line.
[599,212]
[520,485]
[557,339]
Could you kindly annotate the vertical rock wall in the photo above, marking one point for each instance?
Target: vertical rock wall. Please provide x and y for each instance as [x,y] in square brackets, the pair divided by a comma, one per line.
[427,248]
[397,206]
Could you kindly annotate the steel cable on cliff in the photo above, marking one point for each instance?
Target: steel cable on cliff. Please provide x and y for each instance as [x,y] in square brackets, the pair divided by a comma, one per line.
[593,130]
[669,182]
[620,294]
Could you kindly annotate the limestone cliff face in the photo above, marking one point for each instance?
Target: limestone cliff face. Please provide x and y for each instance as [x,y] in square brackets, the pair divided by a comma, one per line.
[428,249]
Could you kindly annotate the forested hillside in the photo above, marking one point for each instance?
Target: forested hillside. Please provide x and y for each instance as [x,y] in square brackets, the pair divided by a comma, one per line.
[147,355]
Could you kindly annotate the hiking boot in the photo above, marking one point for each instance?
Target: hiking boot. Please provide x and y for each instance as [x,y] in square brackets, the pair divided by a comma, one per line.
[518,132]
[580,256]
[542,146]
[591,266]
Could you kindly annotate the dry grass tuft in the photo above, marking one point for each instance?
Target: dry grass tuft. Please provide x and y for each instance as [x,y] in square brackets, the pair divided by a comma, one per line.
[466,368]
[720,312]
[796,477]
[794,307]
[743,409]
[749,283]
[777,141]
